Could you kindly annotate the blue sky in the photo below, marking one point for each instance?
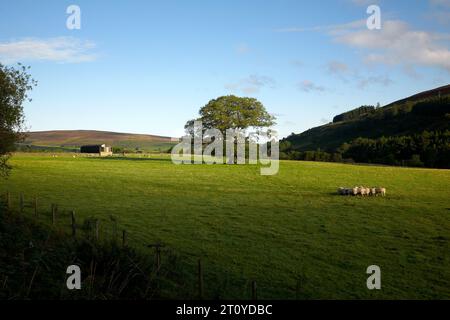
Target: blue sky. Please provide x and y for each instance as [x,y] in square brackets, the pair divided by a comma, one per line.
[148,66]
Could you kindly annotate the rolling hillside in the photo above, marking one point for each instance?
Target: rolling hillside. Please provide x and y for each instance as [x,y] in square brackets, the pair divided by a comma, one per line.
[426,111]
[75,138]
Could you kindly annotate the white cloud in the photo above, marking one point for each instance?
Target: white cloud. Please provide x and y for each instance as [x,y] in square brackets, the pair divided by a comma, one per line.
[335,28]
[243,48]
[297,63]
[364,2]
[309,86]
[371,80]
[440,3]
[60,49]
[252,84]
[440,11]
[336,67]
[346,73]
[397,43]
[442,17]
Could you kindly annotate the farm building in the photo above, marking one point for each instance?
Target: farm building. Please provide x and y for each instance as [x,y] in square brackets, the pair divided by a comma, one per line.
[102,149]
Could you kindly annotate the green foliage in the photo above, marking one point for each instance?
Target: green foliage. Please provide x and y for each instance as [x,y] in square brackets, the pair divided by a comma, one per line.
[14,86]
[354,114]
[406,119]
[22,147]
[231,112]
[34,259]
[430,149]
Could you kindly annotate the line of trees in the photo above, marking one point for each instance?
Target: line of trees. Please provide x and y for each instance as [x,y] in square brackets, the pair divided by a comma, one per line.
[353,114]
[429,149]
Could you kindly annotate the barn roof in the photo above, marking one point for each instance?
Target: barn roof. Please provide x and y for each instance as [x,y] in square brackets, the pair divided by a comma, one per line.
[94,145]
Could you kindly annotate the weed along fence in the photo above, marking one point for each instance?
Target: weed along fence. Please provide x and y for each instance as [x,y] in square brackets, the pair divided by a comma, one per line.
[64,219]
[65,222]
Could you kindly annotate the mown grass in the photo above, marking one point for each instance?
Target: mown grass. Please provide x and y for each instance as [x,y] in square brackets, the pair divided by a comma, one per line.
[281,231]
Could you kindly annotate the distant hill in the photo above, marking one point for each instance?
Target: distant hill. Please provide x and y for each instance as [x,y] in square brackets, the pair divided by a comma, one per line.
[434,93]
[70,139]
[426,111]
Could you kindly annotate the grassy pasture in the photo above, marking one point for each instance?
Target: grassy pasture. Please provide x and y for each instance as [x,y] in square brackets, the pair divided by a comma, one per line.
[277,230]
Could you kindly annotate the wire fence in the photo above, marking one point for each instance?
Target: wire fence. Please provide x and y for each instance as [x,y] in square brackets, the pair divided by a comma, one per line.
[97,230]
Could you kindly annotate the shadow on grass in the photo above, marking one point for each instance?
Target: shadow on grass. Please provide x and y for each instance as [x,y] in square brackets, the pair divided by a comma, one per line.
[168,159]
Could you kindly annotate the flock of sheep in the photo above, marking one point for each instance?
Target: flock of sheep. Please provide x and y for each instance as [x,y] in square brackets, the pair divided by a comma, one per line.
[362,191]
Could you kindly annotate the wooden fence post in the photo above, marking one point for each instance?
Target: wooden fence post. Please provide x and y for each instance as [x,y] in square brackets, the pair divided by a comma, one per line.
[297,289]
[124,238]
[74,226]
[8,200]
[157,247]
[114,230]
[97,225]
[158,257]
[200,279]
[21,202]
[54,208]
[36,206]
[254,291]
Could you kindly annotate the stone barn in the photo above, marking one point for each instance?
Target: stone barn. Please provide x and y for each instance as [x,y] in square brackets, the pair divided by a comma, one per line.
[101,149]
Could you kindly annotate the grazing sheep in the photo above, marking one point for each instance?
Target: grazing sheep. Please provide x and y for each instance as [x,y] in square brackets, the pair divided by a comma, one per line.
[363,191]
[381,191]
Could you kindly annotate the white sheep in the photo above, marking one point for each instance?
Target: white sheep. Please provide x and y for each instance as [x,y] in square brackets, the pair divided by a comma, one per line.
[381,191]
[363,191]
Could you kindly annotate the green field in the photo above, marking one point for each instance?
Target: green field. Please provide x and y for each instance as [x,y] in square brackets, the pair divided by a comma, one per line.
[277,230]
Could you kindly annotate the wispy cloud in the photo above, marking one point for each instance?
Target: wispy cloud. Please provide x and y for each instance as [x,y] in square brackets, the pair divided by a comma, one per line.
[252,84]
[440,11]
[297,63]
[333,29]
[397,43]
[309,86]
[440,3]
[59,49]
[243,48]
[349,74]
[364,2]
[337,67]
[384,81]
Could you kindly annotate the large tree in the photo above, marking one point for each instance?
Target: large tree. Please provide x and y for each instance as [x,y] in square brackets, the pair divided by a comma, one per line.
[15,83]
[231,112]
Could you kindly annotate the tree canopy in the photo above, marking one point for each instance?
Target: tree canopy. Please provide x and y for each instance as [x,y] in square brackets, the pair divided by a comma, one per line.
[15,83]
[232,112]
